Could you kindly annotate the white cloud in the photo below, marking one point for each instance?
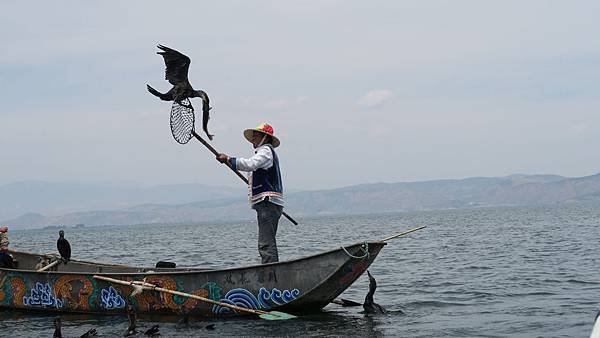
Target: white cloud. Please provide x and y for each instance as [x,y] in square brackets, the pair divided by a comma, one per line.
[375,97]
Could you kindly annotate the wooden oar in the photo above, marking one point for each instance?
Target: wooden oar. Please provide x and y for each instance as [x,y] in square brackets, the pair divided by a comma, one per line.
[403,233]
[242,177]
[268,315]
[345,302]
[49,265]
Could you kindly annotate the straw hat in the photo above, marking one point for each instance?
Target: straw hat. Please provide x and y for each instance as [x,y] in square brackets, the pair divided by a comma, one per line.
[265,129]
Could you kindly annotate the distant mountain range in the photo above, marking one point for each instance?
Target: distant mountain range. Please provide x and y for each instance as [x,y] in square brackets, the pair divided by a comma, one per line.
[44,204]
[60,198]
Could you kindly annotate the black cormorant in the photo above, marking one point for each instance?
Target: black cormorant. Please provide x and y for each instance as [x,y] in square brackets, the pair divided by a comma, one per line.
[89,333]
[185,317]
[131,329]
[177,74]
[57,332]
[64,248]
[153,331]
[369,305]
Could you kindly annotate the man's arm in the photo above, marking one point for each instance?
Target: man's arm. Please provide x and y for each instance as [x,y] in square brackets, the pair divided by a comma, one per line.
[262,159]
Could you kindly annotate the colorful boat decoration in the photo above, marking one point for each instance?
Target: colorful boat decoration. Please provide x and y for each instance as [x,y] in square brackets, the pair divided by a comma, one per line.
[297,286]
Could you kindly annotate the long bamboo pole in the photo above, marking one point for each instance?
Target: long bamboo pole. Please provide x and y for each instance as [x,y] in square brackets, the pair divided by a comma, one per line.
[148,286]
[403,233]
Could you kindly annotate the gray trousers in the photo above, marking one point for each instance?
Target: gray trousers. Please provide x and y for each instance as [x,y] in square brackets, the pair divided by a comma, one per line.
[268,215]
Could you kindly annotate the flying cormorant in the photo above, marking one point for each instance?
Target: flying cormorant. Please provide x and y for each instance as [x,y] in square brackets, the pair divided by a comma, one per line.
[177,74]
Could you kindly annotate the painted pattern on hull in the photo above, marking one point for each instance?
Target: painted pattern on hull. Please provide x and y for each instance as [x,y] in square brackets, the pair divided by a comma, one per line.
[111,299]
[42,295]
[265,300]
[76,291]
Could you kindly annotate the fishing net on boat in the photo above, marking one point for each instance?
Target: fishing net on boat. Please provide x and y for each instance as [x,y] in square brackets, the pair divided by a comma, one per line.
[182,121]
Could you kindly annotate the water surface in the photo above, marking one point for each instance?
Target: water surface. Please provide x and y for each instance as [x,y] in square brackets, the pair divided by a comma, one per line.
[490,272]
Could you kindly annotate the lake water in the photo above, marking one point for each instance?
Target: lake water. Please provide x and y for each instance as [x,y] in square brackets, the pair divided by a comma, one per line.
[490,272]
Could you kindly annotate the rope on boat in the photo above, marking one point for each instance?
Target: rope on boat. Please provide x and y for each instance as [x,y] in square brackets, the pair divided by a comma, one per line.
[364,248]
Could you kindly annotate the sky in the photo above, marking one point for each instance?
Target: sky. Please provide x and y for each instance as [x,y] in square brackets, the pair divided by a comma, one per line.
[357,91]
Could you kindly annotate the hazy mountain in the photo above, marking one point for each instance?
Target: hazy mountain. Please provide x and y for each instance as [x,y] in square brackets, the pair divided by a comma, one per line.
[514,190]
[446,194]
[58,198]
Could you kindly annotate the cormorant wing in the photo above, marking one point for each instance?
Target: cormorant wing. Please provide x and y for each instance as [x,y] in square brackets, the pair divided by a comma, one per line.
[177,65]
[67,249]
[64,248]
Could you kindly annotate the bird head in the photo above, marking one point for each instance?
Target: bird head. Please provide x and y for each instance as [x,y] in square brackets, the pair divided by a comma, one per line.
[61,233]
[372,282]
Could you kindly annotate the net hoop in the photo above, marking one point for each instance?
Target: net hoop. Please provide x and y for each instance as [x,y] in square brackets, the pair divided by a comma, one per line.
[182,121]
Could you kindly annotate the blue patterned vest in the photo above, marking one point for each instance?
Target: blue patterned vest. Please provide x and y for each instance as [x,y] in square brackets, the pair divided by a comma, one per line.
[267,183]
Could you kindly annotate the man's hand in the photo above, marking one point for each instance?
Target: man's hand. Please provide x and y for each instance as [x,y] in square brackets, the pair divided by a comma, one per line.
[222,158]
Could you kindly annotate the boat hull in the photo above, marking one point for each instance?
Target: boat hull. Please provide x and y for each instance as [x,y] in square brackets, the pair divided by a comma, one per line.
[297,286]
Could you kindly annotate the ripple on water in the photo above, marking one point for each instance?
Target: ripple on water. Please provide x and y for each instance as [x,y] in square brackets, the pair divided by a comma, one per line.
[486,272]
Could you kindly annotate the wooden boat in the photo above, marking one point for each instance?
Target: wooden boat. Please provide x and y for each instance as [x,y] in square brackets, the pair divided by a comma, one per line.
[297,286]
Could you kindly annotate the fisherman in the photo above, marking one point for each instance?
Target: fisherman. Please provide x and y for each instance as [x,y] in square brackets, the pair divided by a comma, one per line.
[6,259]
[265,187]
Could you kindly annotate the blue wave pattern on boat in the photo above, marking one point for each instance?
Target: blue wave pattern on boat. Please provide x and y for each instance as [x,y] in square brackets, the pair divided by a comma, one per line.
[276,297]
[42,296]
[265,300]
[111,299]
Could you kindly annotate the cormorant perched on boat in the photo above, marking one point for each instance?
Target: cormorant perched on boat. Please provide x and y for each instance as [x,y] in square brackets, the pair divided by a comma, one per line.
[64,248]
[369,305]
[177,74]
